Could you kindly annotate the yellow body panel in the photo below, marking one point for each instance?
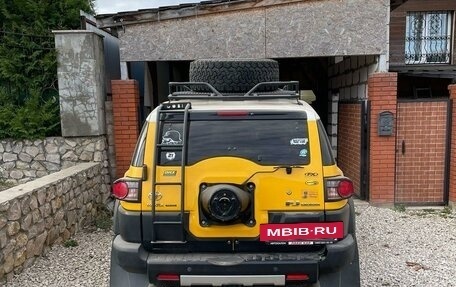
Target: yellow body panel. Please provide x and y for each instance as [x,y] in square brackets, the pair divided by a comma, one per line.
[301,190]
[275,191]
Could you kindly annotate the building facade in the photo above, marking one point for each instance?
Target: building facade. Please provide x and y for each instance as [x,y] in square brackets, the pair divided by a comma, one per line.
[367,61]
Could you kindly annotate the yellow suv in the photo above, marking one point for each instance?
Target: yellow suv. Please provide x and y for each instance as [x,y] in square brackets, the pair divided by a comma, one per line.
[233,182]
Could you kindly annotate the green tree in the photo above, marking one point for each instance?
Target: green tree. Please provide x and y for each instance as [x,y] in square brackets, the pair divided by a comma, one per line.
[28,63]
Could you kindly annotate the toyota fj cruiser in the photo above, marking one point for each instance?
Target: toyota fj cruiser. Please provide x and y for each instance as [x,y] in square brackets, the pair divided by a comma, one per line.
[233,182]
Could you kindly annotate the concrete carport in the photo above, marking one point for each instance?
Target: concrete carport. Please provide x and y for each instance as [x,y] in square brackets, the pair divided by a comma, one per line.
[306,37]
[333,47]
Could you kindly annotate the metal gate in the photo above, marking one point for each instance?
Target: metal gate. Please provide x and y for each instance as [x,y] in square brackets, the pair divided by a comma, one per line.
[422,152]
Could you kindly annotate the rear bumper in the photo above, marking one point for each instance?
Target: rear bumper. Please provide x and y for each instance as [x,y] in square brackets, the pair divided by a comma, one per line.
[132,257]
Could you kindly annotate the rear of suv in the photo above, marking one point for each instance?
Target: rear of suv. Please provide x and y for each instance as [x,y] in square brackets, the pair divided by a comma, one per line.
[233,182]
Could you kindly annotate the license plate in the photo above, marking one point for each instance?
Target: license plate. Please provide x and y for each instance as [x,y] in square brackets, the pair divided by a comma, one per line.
[301,231]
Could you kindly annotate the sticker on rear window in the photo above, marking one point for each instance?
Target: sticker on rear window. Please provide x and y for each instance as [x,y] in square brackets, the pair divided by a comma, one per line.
[170,155]
[172,137]
[299,141]
[303,153]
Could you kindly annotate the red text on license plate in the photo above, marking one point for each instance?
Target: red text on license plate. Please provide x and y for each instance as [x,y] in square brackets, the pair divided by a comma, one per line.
[301,231]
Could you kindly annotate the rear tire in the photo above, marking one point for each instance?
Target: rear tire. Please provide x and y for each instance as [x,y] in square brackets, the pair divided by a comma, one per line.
[233,76]
[118,277]
[349,275]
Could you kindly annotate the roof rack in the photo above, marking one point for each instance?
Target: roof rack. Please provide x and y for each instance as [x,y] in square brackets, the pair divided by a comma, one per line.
[203,90]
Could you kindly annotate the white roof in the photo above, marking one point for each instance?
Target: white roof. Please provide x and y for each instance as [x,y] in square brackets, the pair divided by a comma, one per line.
[249,105]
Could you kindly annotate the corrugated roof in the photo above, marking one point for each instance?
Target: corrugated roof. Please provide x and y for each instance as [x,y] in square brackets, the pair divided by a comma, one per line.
[127,16]
[184,10]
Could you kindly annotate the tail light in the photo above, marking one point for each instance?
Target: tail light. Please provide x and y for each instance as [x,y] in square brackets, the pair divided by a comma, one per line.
[168,277]
[297,277]
[338,188]
[127,189]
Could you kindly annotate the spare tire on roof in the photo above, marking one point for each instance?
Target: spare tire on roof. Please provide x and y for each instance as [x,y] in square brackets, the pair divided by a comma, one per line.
[234,75]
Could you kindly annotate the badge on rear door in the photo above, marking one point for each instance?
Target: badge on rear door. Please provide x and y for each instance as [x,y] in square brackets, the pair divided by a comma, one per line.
[170,173]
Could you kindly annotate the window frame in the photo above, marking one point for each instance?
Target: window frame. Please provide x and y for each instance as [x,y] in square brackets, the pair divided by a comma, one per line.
[418,42]
[266,118]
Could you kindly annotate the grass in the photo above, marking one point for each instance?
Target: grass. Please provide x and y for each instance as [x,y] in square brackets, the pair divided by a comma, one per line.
[445,212]
[103,219]
[70,243]
[4,184]
[399,208]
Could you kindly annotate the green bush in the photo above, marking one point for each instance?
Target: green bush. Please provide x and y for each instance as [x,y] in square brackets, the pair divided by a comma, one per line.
[103,219]
[70,243]
[33,118]
[6,114]
[29,105]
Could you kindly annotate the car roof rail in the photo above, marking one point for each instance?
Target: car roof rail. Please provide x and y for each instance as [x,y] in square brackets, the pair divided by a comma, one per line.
[264,90]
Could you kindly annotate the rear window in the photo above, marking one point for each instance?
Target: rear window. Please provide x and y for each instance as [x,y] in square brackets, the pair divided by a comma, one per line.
[261,140]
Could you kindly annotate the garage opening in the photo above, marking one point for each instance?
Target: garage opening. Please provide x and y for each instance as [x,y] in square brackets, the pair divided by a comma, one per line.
[153,78]
[339,84]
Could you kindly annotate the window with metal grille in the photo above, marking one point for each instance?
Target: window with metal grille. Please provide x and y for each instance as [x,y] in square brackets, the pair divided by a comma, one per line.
[428,37]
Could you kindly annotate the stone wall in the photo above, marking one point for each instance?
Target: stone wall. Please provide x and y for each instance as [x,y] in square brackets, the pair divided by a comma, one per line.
[46,211]
[24,160]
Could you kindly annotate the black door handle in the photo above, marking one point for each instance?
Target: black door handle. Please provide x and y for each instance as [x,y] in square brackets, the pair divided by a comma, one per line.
[403,147]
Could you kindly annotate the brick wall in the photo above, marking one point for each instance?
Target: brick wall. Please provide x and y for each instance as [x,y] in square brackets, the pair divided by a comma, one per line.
[452,195]
[421,144]
[125,105]
[382,93]
[349,142]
